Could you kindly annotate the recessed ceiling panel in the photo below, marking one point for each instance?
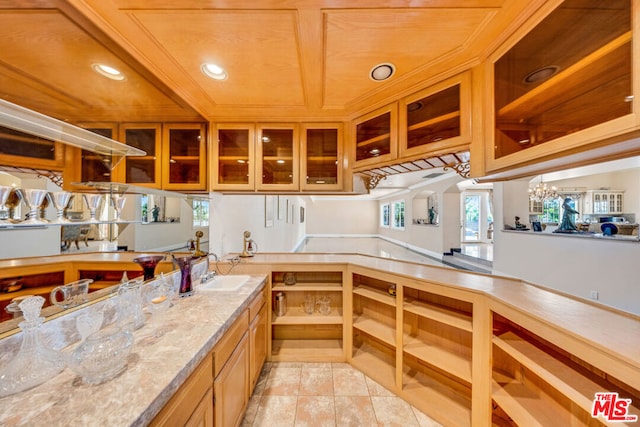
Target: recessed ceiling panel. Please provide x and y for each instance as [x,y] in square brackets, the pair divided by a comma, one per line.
[411,39]
[258,49]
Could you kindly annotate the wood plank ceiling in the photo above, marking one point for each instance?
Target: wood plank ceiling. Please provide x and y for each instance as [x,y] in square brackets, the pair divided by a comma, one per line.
[288,60]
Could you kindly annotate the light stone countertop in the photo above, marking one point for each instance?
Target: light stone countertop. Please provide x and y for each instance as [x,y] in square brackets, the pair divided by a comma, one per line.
[157,368]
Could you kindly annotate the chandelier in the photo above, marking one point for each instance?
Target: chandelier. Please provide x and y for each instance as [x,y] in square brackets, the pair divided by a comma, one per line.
[542,192]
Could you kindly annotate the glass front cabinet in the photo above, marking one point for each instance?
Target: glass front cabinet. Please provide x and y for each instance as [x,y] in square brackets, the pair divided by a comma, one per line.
[563,85]
[233,157]
[141,170]
[437,118]
[376,137]
[184,160]
[277,153]
[321,161]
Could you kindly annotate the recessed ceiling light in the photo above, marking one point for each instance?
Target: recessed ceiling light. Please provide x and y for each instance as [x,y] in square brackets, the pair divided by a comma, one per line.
[107,71]
[280,161]
[214,71]
[541,74]
[382,71]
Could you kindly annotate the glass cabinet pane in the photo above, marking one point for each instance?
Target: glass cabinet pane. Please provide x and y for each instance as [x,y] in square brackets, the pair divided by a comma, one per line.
[321,156]
[373,137]
[16,143]
[233,156]
[277,156]
[434,118]
[96,167]
[571,72]
[184,156]
[141,170]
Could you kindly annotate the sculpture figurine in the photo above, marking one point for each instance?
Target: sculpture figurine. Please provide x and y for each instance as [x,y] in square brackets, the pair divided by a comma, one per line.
[519,225]
[568,223]
[155,212]
[432,215]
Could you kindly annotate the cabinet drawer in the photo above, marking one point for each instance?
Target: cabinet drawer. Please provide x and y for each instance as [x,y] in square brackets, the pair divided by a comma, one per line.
[227,344]
[188,397]
[256,304]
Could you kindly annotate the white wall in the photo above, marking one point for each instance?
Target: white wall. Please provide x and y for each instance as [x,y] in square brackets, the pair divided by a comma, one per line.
[232,215]
[330,216]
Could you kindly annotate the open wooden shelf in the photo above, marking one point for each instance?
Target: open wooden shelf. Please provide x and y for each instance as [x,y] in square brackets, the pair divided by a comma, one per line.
[440,314]
[384,333]
[577,387]
[376,364]
[373,140]
[438,357]
[297,316]
[307,350]
[307,287]
[434,120]
[375,295]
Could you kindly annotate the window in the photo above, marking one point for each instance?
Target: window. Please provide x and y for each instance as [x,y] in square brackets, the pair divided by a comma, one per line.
[551,211]
[384,215]
[397,213]
[200,213]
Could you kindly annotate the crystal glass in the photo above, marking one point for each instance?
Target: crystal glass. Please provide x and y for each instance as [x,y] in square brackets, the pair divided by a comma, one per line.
[102,355]
[159,301]
[89,322]
[34,363]
[148,264]
[118,202]
[33,199]
[93,202]
[5,191]
[130,304]
[60,200]
[71,294]
[184,264]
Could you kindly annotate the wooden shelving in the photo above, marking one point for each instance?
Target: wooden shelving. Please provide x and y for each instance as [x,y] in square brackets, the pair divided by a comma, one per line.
[307,350]
[382,332]
[434,355]
[375,295]
[440,314]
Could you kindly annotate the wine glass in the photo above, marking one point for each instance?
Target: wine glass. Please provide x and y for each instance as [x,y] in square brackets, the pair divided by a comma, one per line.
[33,199]
[60,200]
[5,191]
[93,202]
[118,204]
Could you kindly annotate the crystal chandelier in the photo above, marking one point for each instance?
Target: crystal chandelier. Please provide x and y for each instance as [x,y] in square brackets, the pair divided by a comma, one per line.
[542,192]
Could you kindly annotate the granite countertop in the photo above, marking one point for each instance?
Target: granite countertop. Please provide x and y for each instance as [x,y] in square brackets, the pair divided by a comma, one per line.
[157,367]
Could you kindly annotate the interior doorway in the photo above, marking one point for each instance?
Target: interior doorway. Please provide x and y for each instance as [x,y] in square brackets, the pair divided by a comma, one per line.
[477,217]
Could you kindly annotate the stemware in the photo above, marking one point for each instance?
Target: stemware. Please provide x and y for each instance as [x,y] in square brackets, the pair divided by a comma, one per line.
[118,202]
[159,298]
[148,264]
[5,190]
[184,264]
[13,201]
[93,202]
[60,200]
[33,199]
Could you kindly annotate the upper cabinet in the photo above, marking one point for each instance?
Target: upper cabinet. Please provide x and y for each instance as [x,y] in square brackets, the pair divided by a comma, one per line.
[184,160]
[277,157]
[233,157]
[24,150]
[376,136]
[143,170]
[321,165]
[436,118]
[563,86]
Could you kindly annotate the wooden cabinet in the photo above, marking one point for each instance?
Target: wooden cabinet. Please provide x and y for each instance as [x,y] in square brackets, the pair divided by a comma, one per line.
[184,160]
[536,207]
[376,137]
[535,382]
[258,337]
[604,202]
[437,118]
[277,157]
[559,87]
[298,336]
[233,157]
[24,150]
[141,170]
[192,404]
[321,166]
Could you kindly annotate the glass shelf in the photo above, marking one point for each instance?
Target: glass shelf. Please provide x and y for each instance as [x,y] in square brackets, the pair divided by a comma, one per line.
[120,188]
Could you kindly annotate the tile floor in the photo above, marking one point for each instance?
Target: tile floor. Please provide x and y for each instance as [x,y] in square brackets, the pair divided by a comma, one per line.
[323,395]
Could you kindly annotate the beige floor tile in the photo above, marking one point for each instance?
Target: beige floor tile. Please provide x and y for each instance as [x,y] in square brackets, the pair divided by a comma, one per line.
[349,382]
[315,411]
[252,410]
[424,420]
[391,411]
[376,389]
[276,411]
[282,382]
[316,382]
[354,411]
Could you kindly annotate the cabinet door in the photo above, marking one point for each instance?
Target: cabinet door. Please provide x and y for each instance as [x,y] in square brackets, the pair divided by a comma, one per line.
[184,161]
[562,86]
[231,387]
[141,170]
[257,345]
[22,149]
[278,157]
[95,167]
[376,136]
[233,157]
[322,166]
[436,118]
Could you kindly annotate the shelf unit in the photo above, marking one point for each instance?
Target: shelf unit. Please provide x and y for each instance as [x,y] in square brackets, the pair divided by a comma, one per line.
[184,163]
[536,383]
[321,165]
[277,157]
[376,136]
[298,336]
[374,328]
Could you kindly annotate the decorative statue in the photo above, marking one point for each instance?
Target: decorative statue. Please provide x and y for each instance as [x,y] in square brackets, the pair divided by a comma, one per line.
[568,223]
[432,215]
[519,225]
[155,212]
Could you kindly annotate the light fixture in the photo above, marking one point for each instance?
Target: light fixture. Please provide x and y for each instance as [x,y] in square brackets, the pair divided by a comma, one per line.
[542,192]
[280,161]
[382,71]
[214,71]
[541,74]
[374,151]
[108,72]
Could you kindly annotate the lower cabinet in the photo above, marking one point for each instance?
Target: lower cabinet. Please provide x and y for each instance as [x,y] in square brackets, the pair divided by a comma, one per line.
[258,336]
[231,387]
